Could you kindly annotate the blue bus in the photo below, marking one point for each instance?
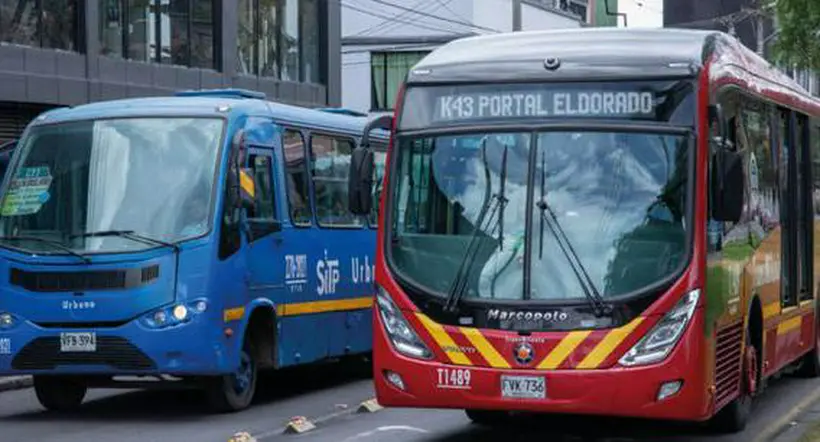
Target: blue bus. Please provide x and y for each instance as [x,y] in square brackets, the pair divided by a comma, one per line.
[194,239]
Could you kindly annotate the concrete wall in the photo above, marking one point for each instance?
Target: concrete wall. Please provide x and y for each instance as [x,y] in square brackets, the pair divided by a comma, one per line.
[34,75]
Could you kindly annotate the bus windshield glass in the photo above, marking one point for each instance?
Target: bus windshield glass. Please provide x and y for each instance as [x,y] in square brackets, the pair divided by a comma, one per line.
[153,177]
[609,204]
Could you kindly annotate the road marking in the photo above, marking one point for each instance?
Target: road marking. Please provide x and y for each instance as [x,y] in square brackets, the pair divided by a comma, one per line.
[769,432]
[386,429]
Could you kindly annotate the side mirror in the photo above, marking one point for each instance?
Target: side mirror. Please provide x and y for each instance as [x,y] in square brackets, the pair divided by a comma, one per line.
[360,178]
[729,191]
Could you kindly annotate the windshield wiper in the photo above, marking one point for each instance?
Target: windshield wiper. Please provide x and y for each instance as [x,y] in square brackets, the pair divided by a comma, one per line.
[596,301]
[130,234]
[55,244]
[490,205]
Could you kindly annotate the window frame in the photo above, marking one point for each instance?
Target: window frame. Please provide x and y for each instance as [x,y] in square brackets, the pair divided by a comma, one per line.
[353,142]
[79,40]
[305,134]
[388,100]
[156,56]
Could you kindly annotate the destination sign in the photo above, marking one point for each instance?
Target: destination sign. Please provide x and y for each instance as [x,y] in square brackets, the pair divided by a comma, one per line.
[544,104]
[426,106]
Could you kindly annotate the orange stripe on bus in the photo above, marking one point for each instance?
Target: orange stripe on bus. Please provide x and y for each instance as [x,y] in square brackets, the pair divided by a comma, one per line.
[564,348]
[790,324]
[607,345]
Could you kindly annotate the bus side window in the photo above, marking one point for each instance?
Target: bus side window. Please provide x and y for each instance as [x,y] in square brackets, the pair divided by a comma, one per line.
[330,167]
[296,175]
[262,216]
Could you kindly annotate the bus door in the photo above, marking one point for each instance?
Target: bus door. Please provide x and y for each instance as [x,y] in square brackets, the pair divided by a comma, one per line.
[263,227]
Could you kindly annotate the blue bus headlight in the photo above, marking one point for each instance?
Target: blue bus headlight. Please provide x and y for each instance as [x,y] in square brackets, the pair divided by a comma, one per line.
[174,314]
[7,320]
[401,335]
[656,345]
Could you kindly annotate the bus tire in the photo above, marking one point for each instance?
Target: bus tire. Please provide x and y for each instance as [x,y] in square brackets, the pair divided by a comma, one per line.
[60,393]
[735,415]
[235,391]
[487,417]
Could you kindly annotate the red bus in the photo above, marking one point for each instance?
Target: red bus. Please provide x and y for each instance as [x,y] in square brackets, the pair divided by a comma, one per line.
[595,221]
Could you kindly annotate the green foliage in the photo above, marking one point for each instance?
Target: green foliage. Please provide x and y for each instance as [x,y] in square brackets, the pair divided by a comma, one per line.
[798,43]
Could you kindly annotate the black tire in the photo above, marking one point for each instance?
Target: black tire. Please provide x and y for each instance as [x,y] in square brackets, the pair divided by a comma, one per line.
[488,418]
[234,392]
[735,415]
[60,393]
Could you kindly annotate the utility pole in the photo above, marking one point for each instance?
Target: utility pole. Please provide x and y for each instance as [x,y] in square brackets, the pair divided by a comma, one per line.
[516,15]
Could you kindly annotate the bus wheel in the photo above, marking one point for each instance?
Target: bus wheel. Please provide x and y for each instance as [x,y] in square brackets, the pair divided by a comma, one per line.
[734,416]
[487,417]
[60,393]
[235,391]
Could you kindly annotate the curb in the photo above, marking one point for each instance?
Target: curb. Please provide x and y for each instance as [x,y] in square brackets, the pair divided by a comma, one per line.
[778,426]
[15,383]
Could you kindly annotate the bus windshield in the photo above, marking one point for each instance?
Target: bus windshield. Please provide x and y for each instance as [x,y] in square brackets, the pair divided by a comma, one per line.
[150,176]
[620,198]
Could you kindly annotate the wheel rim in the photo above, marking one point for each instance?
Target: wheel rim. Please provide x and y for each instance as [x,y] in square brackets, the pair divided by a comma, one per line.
[243,377]
[751,369]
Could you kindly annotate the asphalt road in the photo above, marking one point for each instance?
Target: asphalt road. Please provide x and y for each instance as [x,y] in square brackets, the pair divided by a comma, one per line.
[330,394]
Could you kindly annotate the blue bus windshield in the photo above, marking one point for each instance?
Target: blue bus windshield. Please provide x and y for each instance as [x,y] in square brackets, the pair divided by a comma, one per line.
[152,176]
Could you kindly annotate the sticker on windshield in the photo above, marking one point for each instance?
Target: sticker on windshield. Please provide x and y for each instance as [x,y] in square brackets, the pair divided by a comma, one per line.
[28,191]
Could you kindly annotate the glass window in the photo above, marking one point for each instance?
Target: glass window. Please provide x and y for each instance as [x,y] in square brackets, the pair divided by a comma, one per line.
[111,28]
[41,23]
[289,46]
[174,22]
[815,161]
[268,38]
[297,178]
[265,207]
[151,176]
[179,32]
[141,36]
[309,38]
[246,37]
[279,39]
[388,71]
[617,200]
[330,168]
[202,34]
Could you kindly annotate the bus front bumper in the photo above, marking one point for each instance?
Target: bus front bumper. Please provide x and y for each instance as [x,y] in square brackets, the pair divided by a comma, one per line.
[618,391]
[131,349]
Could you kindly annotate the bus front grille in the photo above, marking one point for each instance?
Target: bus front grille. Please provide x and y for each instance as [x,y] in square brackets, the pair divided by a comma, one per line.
[83,281]
[44,354]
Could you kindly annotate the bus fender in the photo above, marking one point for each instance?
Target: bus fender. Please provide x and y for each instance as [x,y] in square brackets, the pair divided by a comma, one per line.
[260,324]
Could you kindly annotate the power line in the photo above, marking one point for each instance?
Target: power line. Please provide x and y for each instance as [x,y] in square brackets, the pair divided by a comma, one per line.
[373,14]
[425,14]
[391,23]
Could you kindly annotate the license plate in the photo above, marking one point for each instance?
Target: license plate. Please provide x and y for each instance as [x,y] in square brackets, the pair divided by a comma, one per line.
[523,387]
[74,342]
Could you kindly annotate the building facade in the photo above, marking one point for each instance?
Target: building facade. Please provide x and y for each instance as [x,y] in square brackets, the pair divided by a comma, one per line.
[67,52]
[383,39]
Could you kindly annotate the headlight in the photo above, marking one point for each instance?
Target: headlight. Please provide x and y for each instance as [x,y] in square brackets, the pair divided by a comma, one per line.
[7,320]
[401,335]
[656,345]
[174,314]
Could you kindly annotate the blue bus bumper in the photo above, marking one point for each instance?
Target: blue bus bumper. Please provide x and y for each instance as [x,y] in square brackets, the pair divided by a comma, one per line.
[193,348]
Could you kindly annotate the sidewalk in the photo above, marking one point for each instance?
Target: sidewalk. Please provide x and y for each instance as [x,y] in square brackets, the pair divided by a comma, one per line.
[804,428]
[14,383]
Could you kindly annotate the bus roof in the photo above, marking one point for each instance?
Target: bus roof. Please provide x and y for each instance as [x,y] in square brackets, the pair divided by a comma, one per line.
[606,54]
[211,103]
